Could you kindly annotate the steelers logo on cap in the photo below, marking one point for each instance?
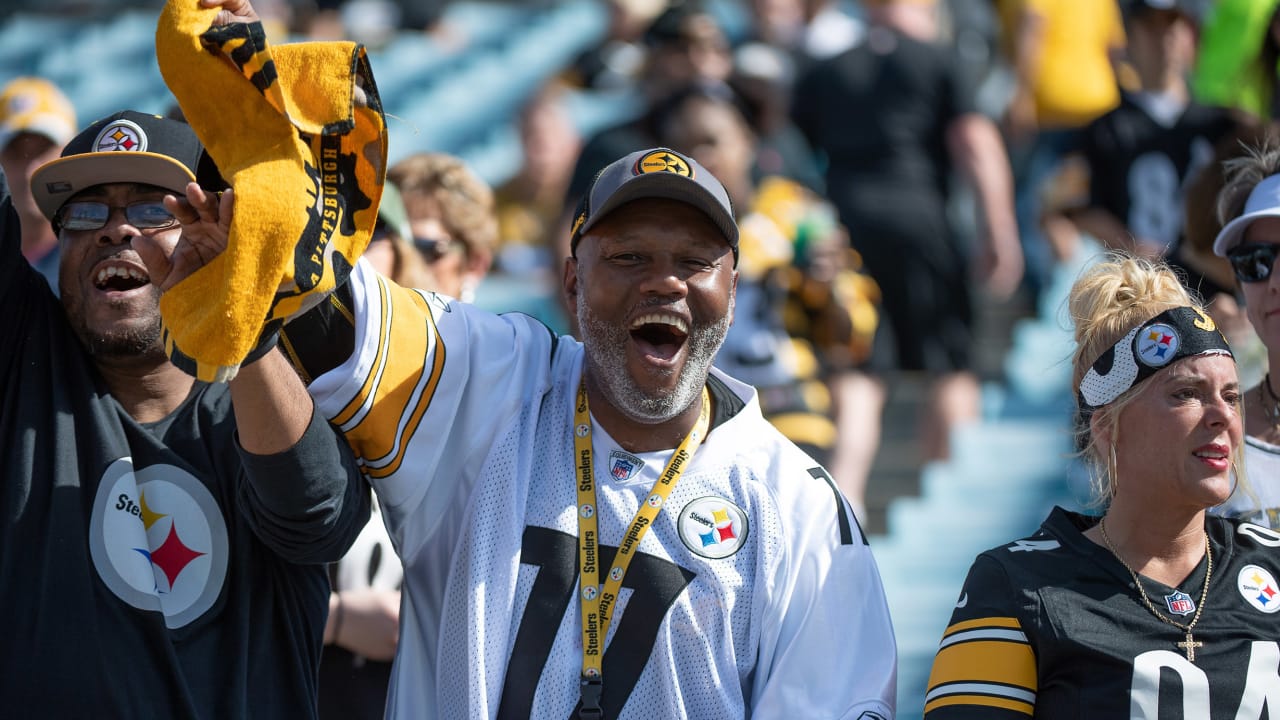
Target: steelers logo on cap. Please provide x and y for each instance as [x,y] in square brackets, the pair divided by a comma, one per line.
[1157,344]
[121,135]
[663,161]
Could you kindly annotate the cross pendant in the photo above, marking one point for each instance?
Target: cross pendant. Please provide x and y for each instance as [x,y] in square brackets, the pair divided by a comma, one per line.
[1190,646]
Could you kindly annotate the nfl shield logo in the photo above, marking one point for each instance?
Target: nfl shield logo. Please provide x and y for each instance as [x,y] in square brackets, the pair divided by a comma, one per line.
[1180,603]
[621,468]
[623,465]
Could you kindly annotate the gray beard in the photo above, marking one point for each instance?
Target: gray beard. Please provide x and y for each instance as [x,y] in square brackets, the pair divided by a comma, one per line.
[603,341]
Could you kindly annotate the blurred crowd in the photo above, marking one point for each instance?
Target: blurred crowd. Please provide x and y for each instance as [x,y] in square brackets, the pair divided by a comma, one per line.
[895,164]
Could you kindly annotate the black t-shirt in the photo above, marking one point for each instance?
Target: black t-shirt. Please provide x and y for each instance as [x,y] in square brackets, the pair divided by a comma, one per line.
[1139,165]
[1052,626]
[152,571]
[880,113]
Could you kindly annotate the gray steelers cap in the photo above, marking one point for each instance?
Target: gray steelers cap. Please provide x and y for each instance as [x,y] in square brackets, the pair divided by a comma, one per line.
[655,173]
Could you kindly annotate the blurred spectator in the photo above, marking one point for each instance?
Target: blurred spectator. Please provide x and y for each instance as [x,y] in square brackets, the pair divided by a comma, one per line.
[1209,276]
[391,250]
[1064,54]
[617,61]
[893,115]
[1140,154]
[1239,51]
[684,45]
[530,204]
[451,216]
[1249,208]
[803,318]
[36,122]
[764,83]
[808,29]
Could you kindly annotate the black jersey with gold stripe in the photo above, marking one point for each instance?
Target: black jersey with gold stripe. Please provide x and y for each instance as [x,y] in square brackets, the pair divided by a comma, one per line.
[1052,626]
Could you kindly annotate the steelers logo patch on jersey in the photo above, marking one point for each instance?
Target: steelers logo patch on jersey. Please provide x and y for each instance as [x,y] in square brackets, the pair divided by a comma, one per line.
[121,136]
[663,161]
[1157,344]
[1258,587]
[713,527]
[158,540]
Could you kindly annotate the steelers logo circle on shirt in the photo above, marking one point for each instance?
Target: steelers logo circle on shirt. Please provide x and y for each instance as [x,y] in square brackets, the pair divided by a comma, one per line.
[654,500]
[586,510]
[1157,344]
[615,574]
[582,430]
[1258,588]
[121,135]
[158,540]
[713,527]
[589,592]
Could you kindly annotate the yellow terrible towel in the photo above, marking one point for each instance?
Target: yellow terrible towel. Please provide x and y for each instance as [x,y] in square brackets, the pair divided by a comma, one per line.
[298,131]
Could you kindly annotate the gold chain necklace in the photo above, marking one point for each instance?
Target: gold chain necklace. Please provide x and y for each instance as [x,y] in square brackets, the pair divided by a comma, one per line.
[1270,403]
[1190,644]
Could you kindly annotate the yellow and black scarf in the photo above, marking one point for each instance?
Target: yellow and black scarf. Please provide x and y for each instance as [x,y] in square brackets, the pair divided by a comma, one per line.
[298,131]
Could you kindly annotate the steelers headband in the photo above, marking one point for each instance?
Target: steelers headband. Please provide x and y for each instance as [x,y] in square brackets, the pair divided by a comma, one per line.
[1174,334]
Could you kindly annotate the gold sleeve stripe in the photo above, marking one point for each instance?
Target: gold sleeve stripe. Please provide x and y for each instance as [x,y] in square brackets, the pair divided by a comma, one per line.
[984,662]
[417,404]
[358,405]
[1026,708]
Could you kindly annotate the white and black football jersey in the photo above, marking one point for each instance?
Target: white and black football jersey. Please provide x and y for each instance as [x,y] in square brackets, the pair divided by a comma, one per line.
[1141,154]
[754,592]
[1052,626]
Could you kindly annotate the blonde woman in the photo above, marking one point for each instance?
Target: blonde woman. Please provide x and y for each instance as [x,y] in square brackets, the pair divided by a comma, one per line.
[1154,609]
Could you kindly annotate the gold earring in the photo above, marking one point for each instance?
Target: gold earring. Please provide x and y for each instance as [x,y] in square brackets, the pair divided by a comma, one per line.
[1113,473]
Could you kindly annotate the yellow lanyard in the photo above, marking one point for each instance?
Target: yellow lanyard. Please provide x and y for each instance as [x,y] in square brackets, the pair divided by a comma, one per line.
[598,603]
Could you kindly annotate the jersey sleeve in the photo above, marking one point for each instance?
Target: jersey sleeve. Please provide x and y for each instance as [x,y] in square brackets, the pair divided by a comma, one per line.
[827,646]
[17,278]
[985,666]
[429,386]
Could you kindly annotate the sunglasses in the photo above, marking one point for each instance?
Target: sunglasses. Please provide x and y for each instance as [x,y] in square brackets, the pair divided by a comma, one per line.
[91,215]
[435,248]
[1252,262]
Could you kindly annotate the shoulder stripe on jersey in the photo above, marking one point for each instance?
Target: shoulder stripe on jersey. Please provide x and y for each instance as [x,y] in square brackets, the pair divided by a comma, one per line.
[359,404]
[985,696]
[403,424]
[985,662]
[844,516]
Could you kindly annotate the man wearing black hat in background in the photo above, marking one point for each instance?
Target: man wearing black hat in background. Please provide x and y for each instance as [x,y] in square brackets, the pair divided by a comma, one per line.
[162,540]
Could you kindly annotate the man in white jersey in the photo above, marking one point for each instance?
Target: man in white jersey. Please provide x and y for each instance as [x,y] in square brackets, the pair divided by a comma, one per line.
[606,528]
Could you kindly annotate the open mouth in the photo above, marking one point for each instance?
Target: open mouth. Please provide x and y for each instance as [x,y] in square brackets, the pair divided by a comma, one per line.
[119,277]
[659,335]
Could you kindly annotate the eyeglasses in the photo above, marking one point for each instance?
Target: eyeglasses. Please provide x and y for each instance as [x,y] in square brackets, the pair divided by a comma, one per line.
[1253,262]
[91,215]
[435,248]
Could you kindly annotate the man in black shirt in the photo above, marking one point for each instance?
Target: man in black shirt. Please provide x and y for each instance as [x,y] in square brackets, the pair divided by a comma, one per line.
[893,116]
[162,540]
